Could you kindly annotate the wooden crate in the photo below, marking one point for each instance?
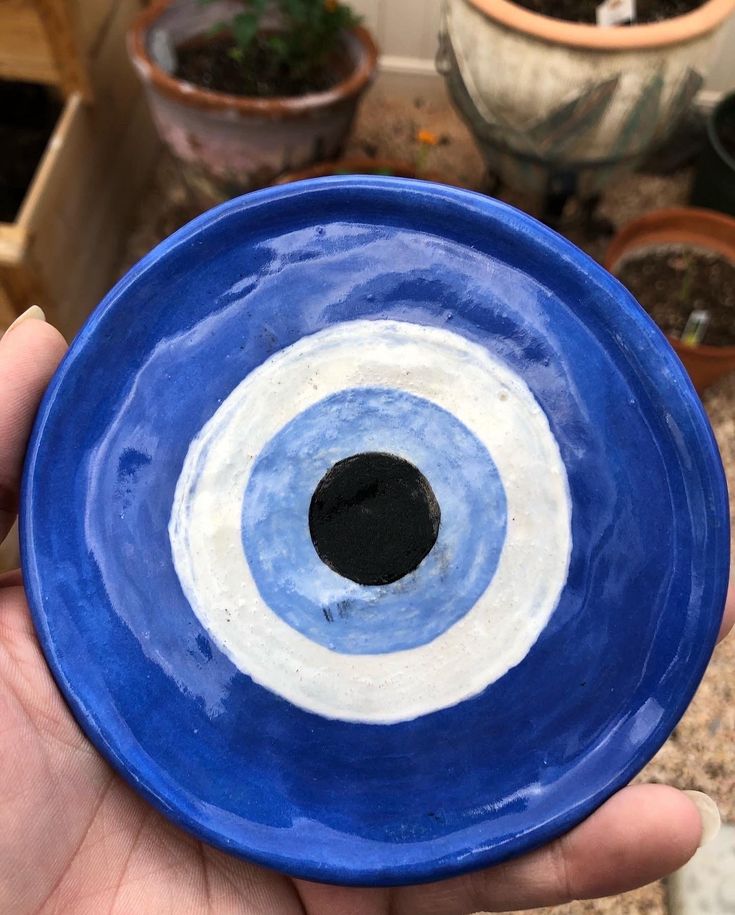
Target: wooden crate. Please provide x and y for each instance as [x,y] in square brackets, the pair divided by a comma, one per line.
[62,249]
[41,42]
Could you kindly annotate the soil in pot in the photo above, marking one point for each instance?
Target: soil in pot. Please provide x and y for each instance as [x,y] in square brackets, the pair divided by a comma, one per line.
[28,114]
[211,62]
[673,281]
[584,10]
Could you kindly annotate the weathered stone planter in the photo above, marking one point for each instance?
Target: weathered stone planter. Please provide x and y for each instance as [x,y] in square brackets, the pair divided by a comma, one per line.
[560,107]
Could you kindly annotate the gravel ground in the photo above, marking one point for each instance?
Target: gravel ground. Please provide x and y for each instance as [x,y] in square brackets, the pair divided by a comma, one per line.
[649,900]
[701,752]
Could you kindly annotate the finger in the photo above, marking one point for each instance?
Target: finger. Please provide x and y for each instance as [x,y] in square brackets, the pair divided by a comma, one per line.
[641,834]
[29,354]
[728,618]
[11,579]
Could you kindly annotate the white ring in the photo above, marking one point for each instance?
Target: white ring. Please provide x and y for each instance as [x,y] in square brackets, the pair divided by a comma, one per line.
[494,636]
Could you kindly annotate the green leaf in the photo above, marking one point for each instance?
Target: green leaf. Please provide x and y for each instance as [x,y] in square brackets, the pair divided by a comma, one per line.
[309,32]
[298,11]
[279,46]
[245,28]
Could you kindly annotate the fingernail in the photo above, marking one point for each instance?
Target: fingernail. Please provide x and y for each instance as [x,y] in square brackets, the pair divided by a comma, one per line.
[709,814]
[34,313]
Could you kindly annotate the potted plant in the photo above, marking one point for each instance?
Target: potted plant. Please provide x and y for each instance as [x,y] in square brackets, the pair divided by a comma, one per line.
[558,104]
[714,183]
[680,265]
[243,90]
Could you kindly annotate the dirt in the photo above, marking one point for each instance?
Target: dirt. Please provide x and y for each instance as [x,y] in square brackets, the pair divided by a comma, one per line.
[209,62]
[672,282]
[28,114]
[649,900]
[584,10]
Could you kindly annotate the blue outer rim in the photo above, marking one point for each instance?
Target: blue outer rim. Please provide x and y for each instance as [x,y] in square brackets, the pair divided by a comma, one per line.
[637,333]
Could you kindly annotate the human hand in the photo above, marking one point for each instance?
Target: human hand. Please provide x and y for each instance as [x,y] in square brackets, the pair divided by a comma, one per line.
[75,838]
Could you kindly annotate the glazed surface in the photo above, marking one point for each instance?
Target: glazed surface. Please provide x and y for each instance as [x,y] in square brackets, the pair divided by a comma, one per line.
[467,772]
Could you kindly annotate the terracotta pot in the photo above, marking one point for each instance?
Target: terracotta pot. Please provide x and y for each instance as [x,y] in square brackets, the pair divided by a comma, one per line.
[357,166]
[240,141]
[561,107]
[700,229]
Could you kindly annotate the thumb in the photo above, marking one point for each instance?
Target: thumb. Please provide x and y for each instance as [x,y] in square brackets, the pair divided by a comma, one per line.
[30,350]
[642,833]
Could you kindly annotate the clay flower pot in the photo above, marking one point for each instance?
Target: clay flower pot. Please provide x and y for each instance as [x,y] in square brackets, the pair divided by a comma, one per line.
[561,107]
[689,226]
[714,184]
[240,141]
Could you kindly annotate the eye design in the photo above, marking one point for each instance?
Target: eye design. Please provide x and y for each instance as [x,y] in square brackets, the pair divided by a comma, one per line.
[376,523]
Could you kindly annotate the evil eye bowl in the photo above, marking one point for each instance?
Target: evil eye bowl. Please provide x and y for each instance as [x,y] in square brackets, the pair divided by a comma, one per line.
[373,532]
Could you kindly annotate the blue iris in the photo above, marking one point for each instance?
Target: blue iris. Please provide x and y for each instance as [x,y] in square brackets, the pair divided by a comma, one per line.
[334,611]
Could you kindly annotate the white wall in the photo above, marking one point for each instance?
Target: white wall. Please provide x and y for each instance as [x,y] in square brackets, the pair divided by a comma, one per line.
[722,78]
[406,32]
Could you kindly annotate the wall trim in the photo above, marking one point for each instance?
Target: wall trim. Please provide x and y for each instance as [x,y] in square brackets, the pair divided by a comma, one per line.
[411,77]
[411,66]
[707,99]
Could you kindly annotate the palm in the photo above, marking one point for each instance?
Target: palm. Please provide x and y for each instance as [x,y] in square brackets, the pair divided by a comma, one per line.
[74,837]
[78,837]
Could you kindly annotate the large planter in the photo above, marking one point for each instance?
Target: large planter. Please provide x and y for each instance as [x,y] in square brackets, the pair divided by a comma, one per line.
[689,226]
[714,185]
[560,107]
[240,141]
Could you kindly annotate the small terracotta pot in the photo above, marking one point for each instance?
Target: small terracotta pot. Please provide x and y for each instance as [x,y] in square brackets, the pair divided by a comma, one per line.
[241,142]
[357,166]
[700,229]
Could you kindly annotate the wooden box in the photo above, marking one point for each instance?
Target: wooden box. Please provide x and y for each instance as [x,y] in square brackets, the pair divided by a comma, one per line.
[62,249]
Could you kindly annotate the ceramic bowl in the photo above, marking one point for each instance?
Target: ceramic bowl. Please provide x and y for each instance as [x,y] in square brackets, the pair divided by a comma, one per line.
[373,532]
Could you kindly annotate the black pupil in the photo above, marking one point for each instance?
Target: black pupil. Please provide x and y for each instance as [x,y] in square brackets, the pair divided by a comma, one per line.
[373,518]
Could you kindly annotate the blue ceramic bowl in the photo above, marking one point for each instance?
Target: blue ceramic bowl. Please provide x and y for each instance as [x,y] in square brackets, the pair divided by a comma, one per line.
[381,715]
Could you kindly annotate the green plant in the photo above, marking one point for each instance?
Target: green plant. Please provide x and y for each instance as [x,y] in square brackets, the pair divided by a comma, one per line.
[427,139]
[696,325]
[303,37]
